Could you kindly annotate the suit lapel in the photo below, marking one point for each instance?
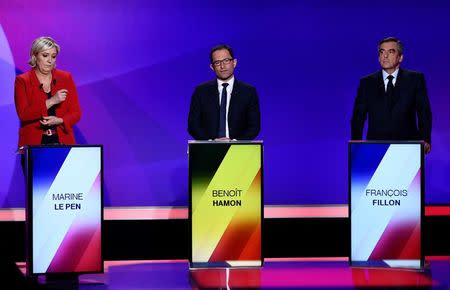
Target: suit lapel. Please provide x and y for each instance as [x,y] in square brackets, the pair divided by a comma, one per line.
[36,86]
[398,86]
[214,93]
[234,97]
[213,104]
[381,91]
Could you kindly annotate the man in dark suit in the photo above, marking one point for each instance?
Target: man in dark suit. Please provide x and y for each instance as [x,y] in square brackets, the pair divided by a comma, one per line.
[394,99]
[224,108]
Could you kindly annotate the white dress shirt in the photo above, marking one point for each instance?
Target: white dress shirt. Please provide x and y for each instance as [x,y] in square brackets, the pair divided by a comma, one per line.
[386,80]
[229,90]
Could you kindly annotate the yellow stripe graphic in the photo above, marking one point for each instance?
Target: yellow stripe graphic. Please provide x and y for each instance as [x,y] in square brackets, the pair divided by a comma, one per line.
[237,171]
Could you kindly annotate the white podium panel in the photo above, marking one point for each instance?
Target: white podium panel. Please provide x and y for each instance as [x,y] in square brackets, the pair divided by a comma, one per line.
[64,209]
[386,203]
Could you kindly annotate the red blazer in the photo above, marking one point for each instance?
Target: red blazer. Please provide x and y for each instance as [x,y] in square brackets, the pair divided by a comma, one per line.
[30,106]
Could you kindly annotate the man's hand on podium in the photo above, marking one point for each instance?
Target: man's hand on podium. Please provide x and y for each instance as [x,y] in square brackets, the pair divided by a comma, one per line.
[223,139]
[427,147]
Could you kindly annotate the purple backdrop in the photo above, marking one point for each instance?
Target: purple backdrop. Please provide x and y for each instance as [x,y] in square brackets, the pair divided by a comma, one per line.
[136,64]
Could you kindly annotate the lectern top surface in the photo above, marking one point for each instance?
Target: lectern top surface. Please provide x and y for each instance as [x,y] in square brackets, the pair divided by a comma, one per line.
[225,142]
[385,142]
[61,145]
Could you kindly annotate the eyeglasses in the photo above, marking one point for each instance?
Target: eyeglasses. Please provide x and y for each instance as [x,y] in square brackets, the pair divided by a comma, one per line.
[223,61]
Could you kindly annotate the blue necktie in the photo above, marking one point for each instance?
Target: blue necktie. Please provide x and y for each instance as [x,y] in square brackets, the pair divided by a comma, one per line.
[223,111]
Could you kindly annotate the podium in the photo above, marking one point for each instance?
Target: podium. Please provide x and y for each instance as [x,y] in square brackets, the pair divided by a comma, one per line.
[225,203]
[64,209]
[386,197]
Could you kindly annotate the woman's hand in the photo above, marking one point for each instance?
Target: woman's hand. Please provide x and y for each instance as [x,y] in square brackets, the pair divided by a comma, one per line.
[59,97]
[51,121]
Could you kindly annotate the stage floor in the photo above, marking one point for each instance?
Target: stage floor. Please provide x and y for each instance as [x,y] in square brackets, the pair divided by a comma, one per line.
[298,273]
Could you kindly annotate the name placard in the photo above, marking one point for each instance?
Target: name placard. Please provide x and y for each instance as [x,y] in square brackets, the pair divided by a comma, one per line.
[225,203]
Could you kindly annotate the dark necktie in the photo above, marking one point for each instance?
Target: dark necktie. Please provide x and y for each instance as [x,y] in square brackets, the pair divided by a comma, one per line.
[390,91]
[223,111]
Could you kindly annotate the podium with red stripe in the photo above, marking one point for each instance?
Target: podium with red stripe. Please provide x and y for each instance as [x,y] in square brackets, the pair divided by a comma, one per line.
[226,203]
[386,195]
[64,211]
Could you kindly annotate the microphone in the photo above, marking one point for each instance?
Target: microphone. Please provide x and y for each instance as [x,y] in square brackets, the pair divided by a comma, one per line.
[54,81]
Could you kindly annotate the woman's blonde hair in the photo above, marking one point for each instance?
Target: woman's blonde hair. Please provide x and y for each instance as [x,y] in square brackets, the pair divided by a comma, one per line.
[40,44]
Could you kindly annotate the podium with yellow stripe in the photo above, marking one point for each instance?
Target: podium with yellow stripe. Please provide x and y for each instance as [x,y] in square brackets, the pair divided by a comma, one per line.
[226,203]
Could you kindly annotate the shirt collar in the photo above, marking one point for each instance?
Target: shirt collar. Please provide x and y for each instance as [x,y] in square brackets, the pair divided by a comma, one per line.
[394,74]
[230,82]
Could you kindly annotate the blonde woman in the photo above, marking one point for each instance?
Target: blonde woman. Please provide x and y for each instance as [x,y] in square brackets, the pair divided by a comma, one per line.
[46,98]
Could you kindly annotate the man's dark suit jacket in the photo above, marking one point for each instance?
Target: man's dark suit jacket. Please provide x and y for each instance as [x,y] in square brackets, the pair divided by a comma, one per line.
[243,112]
[409,117]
